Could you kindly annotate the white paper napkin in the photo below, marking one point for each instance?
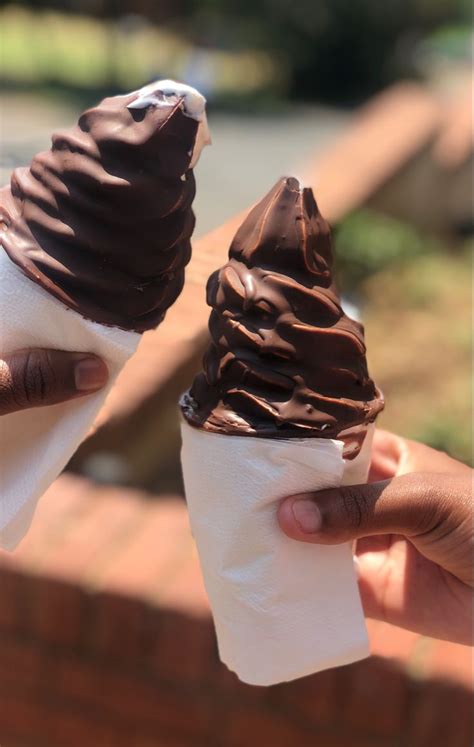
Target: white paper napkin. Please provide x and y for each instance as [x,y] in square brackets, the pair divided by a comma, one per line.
[36,444]
[282,609]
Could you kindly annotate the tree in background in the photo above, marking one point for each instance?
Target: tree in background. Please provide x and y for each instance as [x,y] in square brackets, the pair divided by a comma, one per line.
[337,50]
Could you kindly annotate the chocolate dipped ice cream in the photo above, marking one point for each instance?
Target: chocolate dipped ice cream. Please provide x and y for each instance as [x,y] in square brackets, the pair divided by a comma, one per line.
[103,219]
[285,361]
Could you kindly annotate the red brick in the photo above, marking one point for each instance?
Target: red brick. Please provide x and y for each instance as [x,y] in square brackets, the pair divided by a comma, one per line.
[23,663]
[58,511]
[184,648]
[227,682]
[58,715]
[313,700]
[97,535]
[209,253]
[183,588]
[46,724]
[57,611]
[13,603]
[151,553]
[376,697]
[441,717]
[247,726]
[163,740]
[385,135]
[120,627]
[141,378]
[450,661]
[129,700]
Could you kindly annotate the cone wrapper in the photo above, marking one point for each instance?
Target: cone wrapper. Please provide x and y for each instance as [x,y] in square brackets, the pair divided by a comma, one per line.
[282,609]
[36,444]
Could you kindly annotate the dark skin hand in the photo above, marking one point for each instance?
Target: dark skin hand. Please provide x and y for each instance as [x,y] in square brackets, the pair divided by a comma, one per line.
[413,524]
[38,377]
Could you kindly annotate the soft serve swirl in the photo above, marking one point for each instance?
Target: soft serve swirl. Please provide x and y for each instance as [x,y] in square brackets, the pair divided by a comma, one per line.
[103,219]
[284,361]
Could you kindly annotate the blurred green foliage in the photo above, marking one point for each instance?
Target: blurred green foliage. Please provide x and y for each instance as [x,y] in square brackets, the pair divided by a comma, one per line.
[77,53]
[417,314]
[334,50]
[416,298]
[451,41]
[367,242]
[337,50]
[446,434]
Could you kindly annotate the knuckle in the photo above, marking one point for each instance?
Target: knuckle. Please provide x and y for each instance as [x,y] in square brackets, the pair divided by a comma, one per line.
[465,494]
[355,506]
[439,503]
[6,387]
[35,379]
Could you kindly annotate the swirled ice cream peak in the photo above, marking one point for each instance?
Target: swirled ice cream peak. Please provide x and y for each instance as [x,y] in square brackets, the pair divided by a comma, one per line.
[103,219]
[168,93]
[285,360]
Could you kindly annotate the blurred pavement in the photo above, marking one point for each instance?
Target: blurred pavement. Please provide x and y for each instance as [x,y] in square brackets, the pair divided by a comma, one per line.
[249,152]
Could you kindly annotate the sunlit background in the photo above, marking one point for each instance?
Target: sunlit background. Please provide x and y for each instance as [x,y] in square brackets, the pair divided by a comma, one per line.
[105,632]
[283,80]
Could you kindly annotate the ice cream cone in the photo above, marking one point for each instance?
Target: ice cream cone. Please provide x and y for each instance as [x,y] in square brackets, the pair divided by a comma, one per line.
[94,239]
[284,405]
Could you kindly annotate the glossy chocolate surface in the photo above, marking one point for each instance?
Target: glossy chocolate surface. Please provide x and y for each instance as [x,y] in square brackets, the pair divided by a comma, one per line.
[103,219]
[285,360]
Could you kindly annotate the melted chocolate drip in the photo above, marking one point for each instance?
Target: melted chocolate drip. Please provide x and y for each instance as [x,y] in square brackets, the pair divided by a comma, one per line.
[284,361]
[103,219]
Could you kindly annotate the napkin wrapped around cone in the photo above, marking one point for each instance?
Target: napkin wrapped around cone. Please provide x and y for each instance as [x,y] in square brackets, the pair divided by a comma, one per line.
[284,405]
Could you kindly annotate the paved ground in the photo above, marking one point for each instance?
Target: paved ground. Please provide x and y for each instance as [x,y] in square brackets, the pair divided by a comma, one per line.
[248,153]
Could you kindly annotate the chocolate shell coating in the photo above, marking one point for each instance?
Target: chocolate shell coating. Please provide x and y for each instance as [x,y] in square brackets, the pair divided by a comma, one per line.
[285,360]
[103,219]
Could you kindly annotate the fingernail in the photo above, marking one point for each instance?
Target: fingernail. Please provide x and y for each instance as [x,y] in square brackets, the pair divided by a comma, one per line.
[89,374]
[307,516]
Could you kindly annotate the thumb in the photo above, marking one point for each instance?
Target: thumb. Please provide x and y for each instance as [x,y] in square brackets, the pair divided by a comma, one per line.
[38,377]
[409,505]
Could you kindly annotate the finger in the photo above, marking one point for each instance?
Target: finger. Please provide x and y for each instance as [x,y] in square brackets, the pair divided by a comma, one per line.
[376,543]
[417,457]
[386,442]
[34,378]
[400,586]
[408,505]
[386,455]
[371,578]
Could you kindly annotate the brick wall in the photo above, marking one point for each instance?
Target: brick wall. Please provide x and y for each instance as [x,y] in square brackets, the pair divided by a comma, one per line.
[105,632]
[106,639]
